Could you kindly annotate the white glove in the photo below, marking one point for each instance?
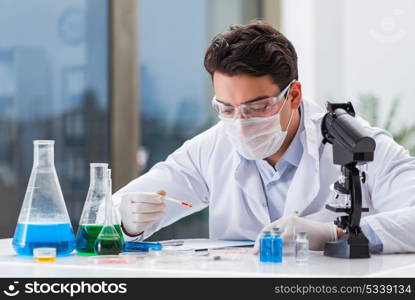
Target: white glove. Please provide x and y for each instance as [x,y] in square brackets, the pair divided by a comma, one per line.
[318,233]
[141,209]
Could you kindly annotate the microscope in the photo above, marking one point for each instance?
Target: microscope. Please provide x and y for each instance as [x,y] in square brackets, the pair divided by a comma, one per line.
[352,147]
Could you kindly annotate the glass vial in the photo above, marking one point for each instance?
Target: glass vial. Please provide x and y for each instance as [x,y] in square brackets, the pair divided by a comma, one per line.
[265,247]
[301,247]
[277,245]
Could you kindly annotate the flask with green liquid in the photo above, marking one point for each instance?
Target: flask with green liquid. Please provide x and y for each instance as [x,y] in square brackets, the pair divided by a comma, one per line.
[92,218]
[108,241]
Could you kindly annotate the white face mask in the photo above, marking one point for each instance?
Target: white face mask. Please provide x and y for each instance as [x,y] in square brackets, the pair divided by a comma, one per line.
[256,138]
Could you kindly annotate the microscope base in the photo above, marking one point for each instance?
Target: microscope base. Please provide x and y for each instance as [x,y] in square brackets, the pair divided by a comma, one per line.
[348,246]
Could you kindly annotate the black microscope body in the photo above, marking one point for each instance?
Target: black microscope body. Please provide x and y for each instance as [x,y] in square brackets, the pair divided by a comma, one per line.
[352,146]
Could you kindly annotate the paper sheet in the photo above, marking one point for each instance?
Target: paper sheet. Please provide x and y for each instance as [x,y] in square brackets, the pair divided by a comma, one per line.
[199,244]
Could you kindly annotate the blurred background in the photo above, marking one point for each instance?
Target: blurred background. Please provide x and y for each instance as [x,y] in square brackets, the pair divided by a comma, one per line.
[123,81]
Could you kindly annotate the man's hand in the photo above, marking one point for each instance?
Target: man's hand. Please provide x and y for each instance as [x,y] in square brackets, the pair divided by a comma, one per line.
[141,209]
[318,233]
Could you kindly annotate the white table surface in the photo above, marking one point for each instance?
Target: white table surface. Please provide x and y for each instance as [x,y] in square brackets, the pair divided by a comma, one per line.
[243,265]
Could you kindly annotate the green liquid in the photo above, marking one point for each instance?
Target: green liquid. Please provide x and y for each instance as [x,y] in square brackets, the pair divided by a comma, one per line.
[87,235]
[108,246]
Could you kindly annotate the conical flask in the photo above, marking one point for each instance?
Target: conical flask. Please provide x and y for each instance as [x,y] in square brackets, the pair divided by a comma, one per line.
[91,223]
[108,241]
[43,221]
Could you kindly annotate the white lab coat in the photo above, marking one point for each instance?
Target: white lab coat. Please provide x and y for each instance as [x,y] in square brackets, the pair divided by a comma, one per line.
[207,171]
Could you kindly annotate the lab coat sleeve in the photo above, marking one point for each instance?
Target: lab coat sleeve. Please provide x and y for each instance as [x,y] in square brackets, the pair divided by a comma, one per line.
[392,188]
[180,175]
[375,244]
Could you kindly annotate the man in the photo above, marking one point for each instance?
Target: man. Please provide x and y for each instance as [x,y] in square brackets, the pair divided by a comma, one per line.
[263,164]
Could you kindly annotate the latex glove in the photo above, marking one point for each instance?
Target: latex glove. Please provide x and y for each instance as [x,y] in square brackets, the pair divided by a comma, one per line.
[141,209]
[318,233]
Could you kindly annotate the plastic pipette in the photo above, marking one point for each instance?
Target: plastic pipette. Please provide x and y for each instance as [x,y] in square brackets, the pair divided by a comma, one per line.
[178,201]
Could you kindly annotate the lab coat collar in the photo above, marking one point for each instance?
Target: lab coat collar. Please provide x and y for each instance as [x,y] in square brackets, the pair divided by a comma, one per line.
[306,182]
[295,150]
[313,113]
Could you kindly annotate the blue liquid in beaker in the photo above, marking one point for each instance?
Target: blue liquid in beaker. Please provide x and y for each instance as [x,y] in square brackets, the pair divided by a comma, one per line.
[30,236]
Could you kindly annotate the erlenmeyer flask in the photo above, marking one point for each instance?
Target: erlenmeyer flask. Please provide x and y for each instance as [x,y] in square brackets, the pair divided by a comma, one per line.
[108,242]
[43,220]
[90,225]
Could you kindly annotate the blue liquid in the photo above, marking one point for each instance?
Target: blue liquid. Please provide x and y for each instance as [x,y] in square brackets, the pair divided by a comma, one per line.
[265,246]
[30,236]
[277,245]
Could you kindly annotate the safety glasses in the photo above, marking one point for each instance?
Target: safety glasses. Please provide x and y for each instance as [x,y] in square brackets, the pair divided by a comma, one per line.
[259,108]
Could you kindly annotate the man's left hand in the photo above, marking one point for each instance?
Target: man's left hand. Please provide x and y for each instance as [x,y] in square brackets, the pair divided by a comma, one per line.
[318,233]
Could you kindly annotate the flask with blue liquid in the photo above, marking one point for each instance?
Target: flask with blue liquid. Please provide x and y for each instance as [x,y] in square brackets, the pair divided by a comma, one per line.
[43,220]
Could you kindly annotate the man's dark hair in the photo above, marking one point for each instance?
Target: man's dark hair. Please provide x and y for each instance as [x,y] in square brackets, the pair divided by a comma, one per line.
[256,49]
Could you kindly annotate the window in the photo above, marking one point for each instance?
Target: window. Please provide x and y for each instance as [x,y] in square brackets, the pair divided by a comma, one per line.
[53,85]
[175,89]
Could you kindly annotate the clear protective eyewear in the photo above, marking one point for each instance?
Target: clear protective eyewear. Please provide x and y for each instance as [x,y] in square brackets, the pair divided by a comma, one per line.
[259,108]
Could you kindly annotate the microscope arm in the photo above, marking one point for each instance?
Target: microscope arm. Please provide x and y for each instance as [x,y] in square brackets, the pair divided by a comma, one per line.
[356,198]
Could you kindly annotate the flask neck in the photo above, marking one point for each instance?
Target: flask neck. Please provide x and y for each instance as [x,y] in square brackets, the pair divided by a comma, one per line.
[98,177]
[43,154]
[108,203]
